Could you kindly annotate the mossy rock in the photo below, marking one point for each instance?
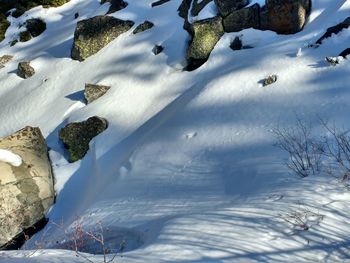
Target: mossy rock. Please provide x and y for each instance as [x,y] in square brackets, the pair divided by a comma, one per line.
[25,36]
[206,33]
[248,17]
[4,24]
[143,27]
[77,135]
[93,34]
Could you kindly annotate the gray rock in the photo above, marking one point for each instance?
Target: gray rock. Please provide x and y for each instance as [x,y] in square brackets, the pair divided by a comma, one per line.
[26,191]
[77,135]
[25,70]
[243,18]
[269,80]
[287,16]
[225,7]
[92,34]
[93,92]
[4,60]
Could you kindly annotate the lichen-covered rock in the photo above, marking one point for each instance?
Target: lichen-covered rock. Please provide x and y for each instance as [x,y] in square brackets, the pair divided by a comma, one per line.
[287,16]
[143,27]
[93,92]
[116,5]
[206,33]
[77,135]
[25,36]
[242,19]
[92,34]
[25,70]
[225,7]
[4,24]
[269,80]
[5,59]
[26,190]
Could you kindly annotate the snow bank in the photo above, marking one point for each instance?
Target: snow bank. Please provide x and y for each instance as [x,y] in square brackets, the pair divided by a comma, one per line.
[10,157]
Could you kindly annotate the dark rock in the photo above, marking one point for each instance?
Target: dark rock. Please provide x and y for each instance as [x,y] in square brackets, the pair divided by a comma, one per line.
[197,7]
[5,59]
[225,7]
[236,44]
[25,70]
[116,5]
[35,26]
[77,135]
[13,42]
[25,36]
[26,188]
[160,2]
[345,53]
[92,34]
[157,49]
[184,8]
[143,27]
[334,30]
[287,16]
[76,15]
[93,92]
[243,18]
[269,80]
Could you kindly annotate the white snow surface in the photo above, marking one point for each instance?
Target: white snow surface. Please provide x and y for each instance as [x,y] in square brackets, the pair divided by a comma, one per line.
[10,157]
[187,170]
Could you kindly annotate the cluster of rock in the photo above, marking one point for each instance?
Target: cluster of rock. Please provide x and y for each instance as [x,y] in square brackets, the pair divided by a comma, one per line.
[281,16]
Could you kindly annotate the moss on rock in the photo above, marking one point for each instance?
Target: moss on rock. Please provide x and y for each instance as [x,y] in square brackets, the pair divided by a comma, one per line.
[25,36]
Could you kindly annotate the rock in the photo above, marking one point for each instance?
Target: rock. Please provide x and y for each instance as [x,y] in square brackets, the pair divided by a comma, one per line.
[143,27]
[5,59]
[345,53]
[197,6]
[93,92]
[334,30]
[225,7]
[269,80]
[35,26]
[236,44]
[333,60]
[116,5]
[26,190]
[157,49]
[13,42]
[25,70]
[287,16]
[160,2]
[4,24]
[242,19]
[206,33]
[77,135]
[92,34]
[25,36]
[76,15]
[184,8]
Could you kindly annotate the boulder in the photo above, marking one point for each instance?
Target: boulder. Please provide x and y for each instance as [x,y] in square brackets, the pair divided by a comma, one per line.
[197,6]
[35,26]
[287,16]
[25,36]
[157,49]
[25,70]
[4,24]
[143,27]
[270,80]
[92,34]
[116,5]
[160,2]
[225,7]
[206,33]
[4,60]
[242,19]
[26,184]
[93,92]
[77,135]
[236,44]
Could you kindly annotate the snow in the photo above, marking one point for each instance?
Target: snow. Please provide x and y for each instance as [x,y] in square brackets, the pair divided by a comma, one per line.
[10,157]
[187,165]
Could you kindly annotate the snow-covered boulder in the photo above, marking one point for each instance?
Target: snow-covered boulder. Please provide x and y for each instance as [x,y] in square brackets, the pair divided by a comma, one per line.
[92,34]
[287,16]
[25,70]
[206,33]
[26,182]
[77,135]
[225,7]
[243,18]
[93,92]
